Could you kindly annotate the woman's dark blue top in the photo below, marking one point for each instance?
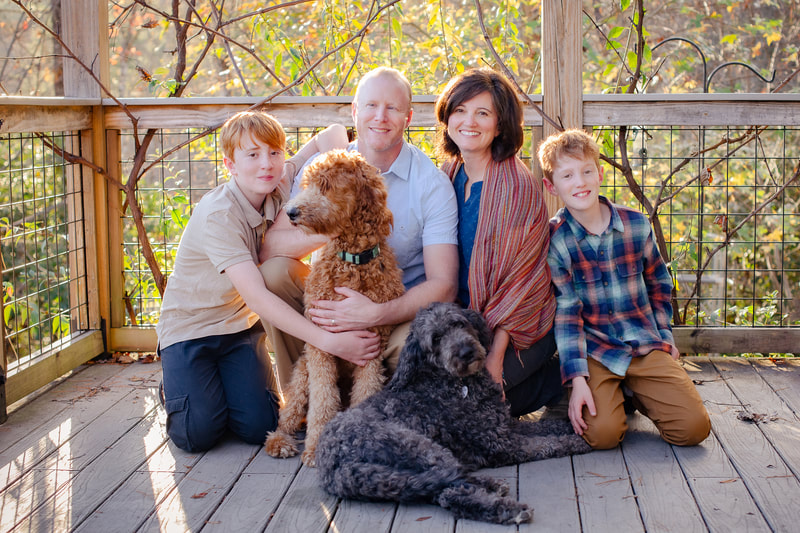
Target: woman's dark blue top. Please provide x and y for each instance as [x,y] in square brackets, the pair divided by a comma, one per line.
[467,224]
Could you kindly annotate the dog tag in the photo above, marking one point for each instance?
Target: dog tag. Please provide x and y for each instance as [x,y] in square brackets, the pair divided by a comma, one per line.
[464,391]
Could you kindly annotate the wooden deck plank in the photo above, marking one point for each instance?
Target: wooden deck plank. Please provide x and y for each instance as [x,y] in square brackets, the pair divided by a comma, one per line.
[422,518]
[250,504]
[727,505]
[783,375]
[133,502]
[263,463]
[708,459]
[28,452]
[199,493]
[25,417]
[743,478]
[719,491]
[77,451]
[658,481]
[781,426]
[88,488]
[32,491]
[305,507]
[256,495]
[549,488]
[353,515]
[761,468]
[605,496]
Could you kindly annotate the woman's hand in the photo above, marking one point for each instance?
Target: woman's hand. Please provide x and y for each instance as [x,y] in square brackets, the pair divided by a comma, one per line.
[496,356]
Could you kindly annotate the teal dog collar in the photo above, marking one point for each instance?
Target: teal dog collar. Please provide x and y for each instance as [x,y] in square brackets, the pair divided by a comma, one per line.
[360,259]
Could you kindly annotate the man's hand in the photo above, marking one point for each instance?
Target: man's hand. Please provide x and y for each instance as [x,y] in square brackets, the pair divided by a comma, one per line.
[581,395]
[355,311]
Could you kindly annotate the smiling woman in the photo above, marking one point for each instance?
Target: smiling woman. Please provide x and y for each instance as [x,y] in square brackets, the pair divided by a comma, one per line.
[480,133]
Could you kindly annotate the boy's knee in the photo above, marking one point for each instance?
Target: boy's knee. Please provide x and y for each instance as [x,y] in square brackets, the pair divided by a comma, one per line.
[605,432]
[603,438]
[192,431]
[691,431]
[279,270]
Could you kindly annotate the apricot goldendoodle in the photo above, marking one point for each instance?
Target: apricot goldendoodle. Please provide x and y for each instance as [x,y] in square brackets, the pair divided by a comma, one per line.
[345,196]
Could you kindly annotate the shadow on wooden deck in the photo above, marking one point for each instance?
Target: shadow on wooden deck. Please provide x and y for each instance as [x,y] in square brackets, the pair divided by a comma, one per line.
[90,454]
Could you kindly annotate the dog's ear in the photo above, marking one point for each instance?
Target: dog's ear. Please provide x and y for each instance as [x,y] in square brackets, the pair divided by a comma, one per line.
[323,181]
[480,326]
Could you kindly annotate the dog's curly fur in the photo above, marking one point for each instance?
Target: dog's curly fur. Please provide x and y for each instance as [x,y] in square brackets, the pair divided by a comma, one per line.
[440,417]
[344,196]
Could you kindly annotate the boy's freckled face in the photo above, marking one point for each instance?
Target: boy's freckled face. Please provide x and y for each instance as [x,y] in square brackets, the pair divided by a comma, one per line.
[576,182]
[257,168]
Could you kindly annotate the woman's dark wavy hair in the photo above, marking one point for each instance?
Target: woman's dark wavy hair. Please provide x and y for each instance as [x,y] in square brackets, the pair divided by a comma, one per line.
[506,104]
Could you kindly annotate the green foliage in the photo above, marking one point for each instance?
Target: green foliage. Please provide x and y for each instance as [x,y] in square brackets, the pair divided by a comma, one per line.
[34,219]
[259,51]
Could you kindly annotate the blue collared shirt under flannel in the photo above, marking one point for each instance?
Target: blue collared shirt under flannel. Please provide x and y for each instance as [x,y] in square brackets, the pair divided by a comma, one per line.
[613,292]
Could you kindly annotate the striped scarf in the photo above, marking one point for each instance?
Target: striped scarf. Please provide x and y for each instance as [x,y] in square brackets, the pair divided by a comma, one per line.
[509,280]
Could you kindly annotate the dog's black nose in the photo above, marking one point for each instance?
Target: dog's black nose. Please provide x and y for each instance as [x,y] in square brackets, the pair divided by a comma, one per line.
[292,212]
[466,353]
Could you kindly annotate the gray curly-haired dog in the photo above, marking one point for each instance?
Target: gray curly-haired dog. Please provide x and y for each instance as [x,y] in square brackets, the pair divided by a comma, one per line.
[440,417]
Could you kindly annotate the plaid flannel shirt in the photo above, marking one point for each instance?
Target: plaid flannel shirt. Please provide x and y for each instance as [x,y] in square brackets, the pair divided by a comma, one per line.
[612,290]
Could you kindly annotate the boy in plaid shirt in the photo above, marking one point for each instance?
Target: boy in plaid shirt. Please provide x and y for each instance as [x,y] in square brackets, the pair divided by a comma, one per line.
[613,314]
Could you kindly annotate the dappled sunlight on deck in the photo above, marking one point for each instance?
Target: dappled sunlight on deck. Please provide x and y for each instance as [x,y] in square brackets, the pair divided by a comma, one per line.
[92,455]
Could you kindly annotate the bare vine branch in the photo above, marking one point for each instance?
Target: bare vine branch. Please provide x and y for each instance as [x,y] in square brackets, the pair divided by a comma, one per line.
[68,51]
[507,71]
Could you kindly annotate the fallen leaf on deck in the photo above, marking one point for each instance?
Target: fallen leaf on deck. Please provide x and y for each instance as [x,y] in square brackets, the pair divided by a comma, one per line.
[199,495]
[755,418]
[124,358]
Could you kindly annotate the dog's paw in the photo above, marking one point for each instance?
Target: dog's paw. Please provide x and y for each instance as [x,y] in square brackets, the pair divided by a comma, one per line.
[511,512]
[523,516]
[279,444]
[309,458]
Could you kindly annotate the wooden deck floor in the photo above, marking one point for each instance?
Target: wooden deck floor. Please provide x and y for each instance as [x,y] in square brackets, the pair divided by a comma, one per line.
[91,455]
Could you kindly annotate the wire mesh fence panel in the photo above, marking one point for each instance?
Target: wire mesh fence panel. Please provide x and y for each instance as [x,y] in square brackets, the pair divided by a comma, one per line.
[42,240]
[724,210]
[728,214]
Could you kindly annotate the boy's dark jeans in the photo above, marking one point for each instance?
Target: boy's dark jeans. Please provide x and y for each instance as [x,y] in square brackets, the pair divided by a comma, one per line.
[217,383]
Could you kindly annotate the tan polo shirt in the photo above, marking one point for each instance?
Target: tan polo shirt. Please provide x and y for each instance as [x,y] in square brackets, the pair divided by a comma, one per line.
[224,230]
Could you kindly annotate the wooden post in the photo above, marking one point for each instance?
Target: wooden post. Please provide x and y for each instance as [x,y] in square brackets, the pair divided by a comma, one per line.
[115,255]
[85,31]
[562,67]
[3,362]
[84,26]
